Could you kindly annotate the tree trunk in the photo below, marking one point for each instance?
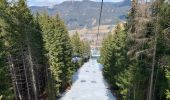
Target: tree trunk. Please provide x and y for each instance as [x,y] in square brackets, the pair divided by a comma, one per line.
[32,67]
[153,62]
[14,79]
[26,76]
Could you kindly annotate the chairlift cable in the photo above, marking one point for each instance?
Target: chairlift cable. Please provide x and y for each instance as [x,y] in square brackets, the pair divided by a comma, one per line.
[99,23]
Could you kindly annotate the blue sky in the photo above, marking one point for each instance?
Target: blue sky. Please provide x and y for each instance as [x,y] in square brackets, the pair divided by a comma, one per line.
[53,2]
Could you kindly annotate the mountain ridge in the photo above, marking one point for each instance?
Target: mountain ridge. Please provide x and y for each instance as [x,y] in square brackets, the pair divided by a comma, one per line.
[85,14]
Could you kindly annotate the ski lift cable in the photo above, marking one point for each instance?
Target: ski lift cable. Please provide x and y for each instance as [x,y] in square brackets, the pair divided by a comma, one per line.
[99,23]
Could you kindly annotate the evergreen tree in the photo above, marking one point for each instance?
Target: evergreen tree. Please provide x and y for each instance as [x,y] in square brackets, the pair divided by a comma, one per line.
[85,48]
[76,44]
[113,54]
[147,48]
[58,51]
[66,56]
[81,48]
[161,11]
[6,92]
[5,82]
[22,49]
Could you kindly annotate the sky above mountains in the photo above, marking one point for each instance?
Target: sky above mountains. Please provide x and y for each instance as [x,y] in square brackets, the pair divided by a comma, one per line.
[53,2]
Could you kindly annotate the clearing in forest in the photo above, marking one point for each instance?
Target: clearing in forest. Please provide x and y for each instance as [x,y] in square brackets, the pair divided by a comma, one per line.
[89,84]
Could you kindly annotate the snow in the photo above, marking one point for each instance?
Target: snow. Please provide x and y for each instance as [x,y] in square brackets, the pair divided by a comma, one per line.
[89,84]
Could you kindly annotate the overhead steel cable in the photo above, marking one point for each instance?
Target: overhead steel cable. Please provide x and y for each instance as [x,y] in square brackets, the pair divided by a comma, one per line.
[99,23]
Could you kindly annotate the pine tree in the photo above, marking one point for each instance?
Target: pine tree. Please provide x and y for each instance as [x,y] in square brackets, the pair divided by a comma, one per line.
[58,51]
[113,54]
[23,52]
[5,84]
[81,48]
[5,80]
[76,44]
[161,12]
[66,52]
[147,48]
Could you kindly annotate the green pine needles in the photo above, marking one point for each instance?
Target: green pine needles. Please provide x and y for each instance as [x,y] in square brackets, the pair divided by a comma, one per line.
[58,51]
[35,54]
[136,59]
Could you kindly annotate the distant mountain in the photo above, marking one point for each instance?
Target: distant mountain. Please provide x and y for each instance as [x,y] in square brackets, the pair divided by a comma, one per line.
[85,14]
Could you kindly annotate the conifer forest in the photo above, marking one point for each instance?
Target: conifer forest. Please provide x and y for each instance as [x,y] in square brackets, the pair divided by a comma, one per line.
[39,57]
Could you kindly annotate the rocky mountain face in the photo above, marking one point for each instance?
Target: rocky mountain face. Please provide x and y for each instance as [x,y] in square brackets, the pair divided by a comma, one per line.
[85,14]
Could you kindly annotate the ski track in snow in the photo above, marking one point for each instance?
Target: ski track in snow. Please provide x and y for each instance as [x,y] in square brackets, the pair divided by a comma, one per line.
[89,84]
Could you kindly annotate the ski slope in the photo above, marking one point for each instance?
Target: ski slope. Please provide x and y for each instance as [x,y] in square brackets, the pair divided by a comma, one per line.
[89,84]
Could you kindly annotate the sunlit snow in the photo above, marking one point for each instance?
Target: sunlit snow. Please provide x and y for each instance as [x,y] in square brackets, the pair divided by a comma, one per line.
[89,84]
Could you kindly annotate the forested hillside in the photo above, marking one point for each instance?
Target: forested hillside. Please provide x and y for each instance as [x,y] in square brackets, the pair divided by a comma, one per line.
[136,57]
[84,14]
[35,54]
